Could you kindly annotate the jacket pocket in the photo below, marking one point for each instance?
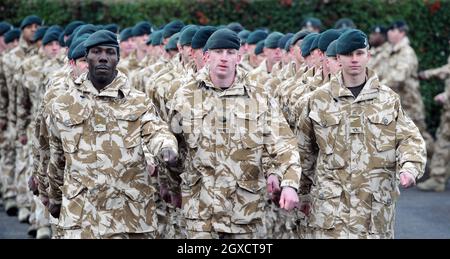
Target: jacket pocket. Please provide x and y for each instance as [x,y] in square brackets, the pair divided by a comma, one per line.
[382,212]
[381,129]
[73,200]
[325,206]
[248,202]
[191,188]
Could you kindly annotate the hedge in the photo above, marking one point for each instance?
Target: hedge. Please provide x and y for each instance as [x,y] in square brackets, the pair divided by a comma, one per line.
[428,20]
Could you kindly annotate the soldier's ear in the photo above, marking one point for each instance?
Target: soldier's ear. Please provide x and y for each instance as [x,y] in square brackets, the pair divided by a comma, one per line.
[239,58]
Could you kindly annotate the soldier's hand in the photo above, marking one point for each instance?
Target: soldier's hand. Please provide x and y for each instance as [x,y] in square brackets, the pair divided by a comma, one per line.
[23,139]
[407,179]
[152,170]
[273,188]
[44,200]
[288,199]
[54,210]
[33,185]
[440,98]
[169,157]
[422,75]
[175,199]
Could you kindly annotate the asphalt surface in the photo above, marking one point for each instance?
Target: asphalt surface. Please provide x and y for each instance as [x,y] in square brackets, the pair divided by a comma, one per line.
[423,215]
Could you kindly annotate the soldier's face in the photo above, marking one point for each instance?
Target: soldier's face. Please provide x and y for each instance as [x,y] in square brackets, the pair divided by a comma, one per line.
[333,65]
[102,62]
[376,39]
[395,36]
[251,49]
[197,55]
[140,40]
[222,62]
[2,43]
[273,55]
[52,49]
[13,44]
[29,31]
[354,63]
[186,52]
[127,47]
[79,66]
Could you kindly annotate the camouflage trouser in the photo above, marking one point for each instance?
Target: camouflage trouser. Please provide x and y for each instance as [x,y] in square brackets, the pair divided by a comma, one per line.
[7,164]
[57,232]
[22,172]
[439,167]
[429,141]
[41,213]
[278,223]
[215,235]
[174,227]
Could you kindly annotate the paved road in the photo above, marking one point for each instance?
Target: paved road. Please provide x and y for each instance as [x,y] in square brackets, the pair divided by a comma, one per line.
[419,215]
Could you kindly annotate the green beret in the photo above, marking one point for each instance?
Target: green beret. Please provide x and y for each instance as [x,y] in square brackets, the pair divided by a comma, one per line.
[142,28]
[5,27]
[126,33]
[282,41]
[39,34]
[32,19]
[259,47]
[112,27]
[350,41]
[80,30]
[378,29]
[288,44]
[312,22]
[71,27]
[157,38]
[344,23]
[52,34]
[299,36]
[172,44]
[401,25]
[201,37]
[12,35]
[235,26]
[331,50]
[272,39]
[187,33]
[61,41]
[327,37]
[307,42]
[223,39]
[315,43]
[256,36]
[77,49]
[101,38]
[172,28]
[243,35]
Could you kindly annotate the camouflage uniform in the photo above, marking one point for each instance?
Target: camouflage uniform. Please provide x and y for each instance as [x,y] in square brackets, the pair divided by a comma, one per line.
[12,164]
[227,132]
[351,152]
[378,57]
[3,137]
[97,169]
[439,171]
[400,73]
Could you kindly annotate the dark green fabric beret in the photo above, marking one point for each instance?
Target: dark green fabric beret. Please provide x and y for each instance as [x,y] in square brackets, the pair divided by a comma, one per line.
[259,47]
[112,27]
[312,22]
[243,35]
[52,34]
[378,29]
[331,50]
[344,23]
[172,28]
[201,37]
[157,38]
[62,43]
[256,36]
[39,34]
[272,39]
[125,34]
[5,27]
[307,42]
[80,30]
[78,50]
[72,26]
[327,37]
[315,43]
[101,38]
[172,44]
[299,36]
[32,19]
[142,28]
[350,41]
[187,33]
[401,25]
[288,44]
[223,39]
[12,35]
[282,41]
[235,26]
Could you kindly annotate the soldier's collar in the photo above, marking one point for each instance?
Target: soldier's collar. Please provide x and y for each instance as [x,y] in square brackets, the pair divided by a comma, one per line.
[369,91]
[237,88]
[119,84]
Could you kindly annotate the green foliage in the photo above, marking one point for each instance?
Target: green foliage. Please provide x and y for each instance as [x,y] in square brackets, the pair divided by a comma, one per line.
[428,20]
